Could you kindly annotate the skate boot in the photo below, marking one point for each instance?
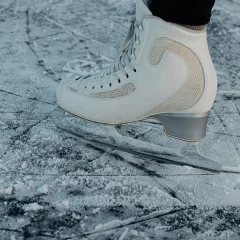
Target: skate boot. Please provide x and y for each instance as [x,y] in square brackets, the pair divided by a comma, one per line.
[163,71]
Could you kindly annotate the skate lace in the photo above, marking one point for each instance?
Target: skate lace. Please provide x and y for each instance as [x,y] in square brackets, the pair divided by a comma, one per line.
[126,53]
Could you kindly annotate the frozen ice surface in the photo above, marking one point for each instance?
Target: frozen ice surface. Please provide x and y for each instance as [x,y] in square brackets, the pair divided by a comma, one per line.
[53,187]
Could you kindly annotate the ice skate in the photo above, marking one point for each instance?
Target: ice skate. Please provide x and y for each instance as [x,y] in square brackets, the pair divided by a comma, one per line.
[126,139]
[164,72]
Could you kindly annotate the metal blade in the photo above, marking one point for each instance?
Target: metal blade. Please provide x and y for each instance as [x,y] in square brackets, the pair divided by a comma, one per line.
[188,156]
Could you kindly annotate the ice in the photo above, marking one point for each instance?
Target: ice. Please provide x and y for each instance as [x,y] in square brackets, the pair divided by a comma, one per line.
[7,191]
[32,207]
[43,189]
[52,186]
[124,234]
[231,169]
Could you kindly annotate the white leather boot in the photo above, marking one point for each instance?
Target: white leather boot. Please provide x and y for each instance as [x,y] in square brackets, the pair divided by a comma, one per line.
[163,71]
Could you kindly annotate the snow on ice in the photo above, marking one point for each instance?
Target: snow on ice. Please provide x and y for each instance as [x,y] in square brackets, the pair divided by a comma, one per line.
[54,187]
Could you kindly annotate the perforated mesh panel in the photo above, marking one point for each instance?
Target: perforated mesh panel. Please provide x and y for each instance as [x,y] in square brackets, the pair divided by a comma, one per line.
[192,90]
[122,91]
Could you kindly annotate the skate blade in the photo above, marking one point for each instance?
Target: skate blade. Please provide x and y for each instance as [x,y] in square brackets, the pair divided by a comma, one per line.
[188,129]
[183,153]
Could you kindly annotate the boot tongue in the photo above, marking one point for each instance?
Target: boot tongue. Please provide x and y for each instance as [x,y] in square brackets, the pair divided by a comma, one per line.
[142,10]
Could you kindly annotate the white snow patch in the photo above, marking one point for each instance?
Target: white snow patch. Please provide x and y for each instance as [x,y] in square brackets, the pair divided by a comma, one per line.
[24,165]
[12,237]
[32,207]
[231,169]
[124,234]
[188,168]
[96,210]
[43,189]
[21,222]
[7,191]
[134,232]
[65,203]
[74,215]
[19,185]
[99,226]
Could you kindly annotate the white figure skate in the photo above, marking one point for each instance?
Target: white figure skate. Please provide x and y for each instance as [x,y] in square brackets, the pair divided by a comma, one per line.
[163,71]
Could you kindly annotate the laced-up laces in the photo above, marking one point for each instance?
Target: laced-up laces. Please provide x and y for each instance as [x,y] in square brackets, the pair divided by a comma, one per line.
[126,53]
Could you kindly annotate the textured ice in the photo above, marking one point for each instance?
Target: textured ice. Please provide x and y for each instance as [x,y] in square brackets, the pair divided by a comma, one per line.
[54,187]
[32,207]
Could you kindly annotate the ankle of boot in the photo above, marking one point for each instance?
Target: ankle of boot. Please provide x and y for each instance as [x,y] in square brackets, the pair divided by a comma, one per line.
[196,28]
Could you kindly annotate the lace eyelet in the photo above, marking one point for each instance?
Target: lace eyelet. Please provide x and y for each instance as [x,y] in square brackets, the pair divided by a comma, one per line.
[119,80]
[93,87]
[110,84]
[127,76]
[134,70]
[102,86]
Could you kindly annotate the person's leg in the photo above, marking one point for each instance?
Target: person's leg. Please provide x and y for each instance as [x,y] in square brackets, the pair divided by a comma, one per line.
[194,14]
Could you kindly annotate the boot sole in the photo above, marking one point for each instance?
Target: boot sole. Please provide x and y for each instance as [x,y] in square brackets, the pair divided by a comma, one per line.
[188,127]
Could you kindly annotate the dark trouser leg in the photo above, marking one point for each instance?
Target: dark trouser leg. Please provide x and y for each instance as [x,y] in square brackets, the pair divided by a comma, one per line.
[184,12]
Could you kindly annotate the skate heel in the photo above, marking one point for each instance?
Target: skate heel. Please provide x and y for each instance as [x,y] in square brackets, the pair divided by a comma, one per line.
[185,126]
